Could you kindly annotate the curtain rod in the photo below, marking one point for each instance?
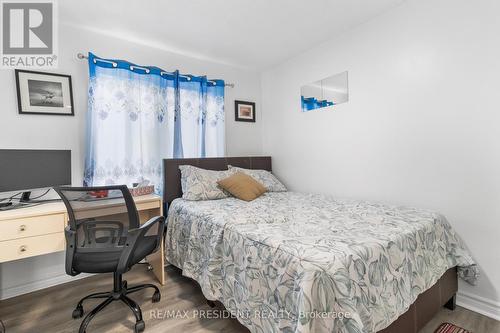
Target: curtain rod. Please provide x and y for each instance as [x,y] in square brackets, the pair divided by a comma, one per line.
[82,56]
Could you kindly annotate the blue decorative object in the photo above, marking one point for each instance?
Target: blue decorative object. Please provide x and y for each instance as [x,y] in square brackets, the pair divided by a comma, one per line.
[311,103]
[138,115]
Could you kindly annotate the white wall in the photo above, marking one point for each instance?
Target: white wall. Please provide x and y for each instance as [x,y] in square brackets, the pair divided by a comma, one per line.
[421,126]
[53,132]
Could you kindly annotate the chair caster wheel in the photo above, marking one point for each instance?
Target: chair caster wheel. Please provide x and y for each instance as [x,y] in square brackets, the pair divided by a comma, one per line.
[78,312]
[156,297]
[139,326]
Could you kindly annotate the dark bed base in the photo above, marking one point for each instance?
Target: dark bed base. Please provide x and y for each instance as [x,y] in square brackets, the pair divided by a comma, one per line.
[443,293]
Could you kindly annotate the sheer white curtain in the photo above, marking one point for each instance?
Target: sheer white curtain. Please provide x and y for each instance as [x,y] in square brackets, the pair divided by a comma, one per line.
[137,116]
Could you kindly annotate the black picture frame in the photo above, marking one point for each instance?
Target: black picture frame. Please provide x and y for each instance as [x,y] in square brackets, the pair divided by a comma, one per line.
[35,73]
[238,116]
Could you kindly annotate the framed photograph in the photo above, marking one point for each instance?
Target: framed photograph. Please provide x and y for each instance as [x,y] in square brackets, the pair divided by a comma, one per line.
[44,93]
[244,111]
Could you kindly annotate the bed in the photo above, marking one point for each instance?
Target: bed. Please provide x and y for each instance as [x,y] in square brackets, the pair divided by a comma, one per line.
[295,262]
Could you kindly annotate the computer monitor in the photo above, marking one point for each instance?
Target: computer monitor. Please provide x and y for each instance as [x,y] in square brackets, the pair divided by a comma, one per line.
[26,170]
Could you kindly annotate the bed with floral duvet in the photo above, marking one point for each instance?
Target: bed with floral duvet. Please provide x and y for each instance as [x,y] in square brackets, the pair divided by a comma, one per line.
[294,262]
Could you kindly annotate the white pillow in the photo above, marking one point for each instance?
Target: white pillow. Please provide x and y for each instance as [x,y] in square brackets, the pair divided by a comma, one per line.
[266,178]
[201,184]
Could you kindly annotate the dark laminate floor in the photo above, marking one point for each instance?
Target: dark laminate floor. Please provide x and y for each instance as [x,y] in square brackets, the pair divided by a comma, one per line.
[49,310]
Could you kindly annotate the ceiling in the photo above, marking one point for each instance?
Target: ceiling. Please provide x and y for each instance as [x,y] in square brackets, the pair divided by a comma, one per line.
[254,34]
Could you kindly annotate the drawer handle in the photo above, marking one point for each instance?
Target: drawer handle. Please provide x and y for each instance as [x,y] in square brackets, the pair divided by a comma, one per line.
[23,248]
[22,228]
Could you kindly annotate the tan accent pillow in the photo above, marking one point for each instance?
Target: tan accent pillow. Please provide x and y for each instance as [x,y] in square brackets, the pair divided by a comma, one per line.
[242,186]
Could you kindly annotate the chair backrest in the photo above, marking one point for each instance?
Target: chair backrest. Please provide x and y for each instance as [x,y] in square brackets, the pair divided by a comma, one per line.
[100,216]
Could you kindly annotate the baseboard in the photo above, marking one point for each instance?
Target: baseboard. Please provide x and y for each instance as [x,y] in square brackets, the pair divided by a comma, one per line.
[484,306]
[37,285]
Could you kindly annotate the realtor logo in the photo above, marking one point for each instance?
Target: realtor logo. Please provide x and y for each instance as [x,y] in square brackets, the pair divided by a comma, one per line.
[28,34]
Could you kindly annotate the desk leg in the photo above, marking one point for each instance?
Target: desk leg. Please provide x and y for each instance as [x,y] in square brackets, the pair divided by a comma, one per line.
[157,259]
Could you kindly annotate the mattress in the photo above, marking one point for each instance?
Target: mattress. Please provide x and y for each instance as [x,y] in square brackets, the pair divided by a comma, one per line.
[295,262]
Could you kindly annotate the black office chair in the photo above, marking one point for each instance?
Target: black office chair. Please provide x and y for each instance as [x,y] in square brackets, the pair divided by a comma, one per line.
[108,244]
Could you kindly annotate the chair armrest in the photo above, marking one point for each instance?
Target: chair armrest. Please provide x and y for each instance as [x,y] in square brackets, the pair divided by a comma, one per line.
[70,250]
[134,236]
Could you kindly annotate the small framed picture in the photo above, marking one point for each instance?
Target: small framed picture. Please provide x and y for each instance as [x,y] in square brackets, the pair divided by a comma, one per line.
[44,93]
[244,111]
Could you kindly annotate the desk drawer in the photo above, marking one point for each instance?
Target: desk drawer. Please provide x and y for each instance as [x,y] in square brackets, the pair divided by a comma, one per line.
[31,226]
[31,246]
[148,205]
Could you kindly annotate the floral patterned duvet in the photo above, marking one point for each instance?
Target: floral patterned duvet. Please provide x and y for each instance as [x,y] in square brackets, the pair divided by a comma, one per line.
[293,262]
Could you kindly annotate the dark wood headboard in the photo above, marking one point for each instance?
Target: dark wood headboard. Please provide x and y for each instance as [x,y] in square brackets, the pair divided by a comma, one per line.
[172,174]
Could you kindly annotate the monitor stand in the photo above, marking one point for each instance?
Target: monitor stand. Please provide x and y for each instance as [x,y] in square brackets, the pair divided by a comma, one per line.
[23,202]
[15,205]
[25,197]
[5,204]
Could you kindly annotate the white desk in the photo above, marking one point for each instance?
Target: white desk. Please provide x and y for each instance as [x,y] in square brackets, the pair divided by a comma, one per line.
[37,230]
